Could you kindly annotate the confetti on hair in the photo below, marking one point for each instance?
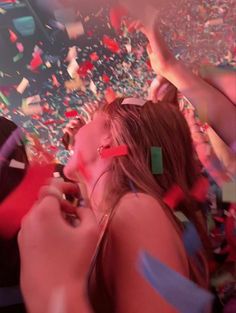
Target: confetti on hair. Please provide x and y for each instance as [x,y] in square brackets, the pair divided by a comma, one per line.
[173,197]
[156,160]
[200,189]
[114,152]
[134,101]
[21,200]
[181,293]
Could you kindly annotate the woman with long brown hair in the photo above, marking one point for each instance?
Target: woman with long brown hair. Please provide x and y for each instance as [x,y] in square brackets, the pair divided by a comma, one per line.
[127,201]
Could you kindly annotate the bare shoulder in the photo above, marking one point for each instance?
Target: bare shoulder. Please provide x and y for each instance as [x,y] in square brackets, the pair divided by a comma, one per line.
[140,223]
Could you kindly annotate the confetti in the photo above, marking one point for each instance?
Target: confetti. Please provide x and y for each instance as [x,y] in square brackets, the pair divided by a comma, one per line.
[191,239]
[20,47]
[94,57]
[24,25]
[111,44]
[72,68]
[214,22]
[74,30]
[180,292]
[4,99]
[114,152]
[71,114]
[110,95]
[229,192]
[13,37]
[173,197]
[36,61]
[200,189]
[17,164]
[84,68]
[18,57]
[156,160]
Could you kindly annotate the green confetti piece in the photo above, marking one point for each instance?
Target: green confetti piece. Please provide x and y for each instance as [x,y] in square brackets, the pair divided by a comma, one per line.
[157,160]
[229,192]
[4,98]
[18,57]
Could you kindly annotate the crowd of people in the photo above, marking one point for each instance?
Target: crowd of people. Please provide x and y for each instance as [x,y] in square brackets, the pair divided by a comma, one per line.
[77,248]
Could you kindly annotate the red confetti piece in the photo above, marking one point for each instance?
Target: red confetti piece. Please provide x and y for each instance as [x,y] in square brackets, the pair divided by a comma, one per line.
[116,15]
[173,197]
[13,36]
[36,61]
[71,114]
[20,47]
[55,81]
[84,68]
[111,44]
[90,33]
[110,95]
[105,78]
[114,152]
[21,200]
[219,219]
[94,56]
[50,122]
[200,189]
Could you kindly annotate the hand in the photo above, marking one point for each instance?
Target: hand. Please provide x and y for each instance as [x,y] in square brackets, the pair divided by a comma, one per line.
[147,21]
[89,109]
[160,89]
[71,130]
[53,253]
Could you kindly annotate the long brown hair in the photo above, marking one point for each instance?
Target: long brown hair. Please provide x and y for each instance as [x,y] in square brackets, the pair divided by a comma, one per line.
[140,128]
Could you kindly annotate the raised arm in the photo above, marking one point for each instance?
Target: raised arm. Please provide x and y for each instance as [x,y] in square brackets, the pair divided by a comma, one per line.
[212,106]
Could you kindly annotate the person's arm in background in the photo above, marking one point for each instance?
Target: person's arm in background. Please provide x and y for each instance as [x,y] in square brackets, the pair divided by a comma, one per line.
[212,106]
[224,79]
[204,150]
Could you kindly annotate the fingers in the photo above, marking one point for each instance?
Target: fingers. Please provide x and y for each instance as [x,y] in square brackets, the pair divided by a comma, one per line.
[86,216]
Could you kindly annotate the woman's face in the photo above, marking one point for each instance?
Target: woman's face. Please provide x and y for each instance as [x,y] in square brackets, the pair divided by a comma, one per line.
[87,141]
